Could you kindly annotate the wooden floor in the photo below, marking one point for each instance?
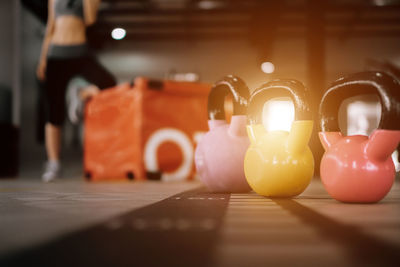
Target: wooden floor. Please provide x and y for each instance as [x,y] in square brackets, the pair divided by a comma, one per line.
[33,213]
[312,230]
[172,226]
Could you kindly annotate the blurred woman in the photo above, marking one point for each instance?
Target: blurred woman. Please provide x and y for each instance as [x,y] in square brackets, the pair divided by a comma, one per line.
[65,54]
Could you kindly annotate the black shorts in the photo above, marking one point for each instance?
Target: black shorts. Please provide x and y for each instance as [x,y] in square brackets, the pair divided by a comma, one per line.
[60,71]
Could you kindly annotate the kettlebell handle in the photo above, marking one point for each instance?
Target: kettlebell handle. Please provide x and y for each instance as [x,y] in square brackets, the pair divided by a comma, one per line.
[371,82]
[228,85]
[279,88]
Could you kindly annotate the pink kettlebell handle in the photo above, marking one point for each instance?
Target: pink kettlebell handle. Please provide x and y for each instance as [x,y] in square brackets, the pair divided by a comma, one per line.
[228,85]
[371,82]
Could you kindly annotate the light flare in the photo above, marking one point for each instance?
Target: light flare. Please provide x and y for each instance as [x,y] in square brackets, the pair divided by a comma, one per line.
[278,115]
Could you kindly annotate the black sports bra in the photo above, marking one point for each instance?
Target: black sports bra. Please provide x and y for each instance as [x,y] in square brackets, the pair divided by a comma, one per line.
[68,7]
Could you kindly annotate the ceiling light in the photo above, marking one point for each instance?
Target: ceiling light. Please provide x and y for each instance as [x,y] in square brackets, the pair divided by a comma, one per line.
[208,4]
[267,67]
[118,33]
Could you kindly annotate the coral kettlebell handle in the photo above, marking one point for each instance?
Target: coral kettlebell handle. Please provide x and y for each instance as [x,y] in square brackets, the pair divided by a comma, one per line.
[279,88]
[371,82]
[228,85]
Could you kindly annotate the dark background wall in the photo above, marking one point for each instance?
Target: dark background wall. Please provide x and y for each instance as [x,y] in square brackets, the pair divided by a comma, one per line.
[6,42]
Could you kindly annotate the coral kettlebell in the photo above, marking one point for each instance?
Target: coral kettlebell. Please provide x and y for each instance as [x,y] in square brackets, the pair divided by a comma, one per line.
[279,163]
[359,168]
[220,152]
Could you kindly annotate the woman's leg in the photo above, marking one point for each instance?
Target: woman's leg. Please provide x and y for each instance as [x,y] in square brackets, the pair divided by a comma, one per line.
[57,76]
[99,77]
[53,141]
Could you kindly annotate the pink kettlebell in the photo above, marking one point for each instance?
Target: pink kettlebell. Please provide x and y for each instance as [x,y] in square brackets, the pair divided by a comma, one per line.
[359,168]
[220,152]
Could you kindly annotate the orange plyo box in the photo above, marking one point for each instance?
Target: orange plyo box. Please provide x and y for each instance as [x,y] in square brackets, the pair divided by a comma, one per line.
[147,129]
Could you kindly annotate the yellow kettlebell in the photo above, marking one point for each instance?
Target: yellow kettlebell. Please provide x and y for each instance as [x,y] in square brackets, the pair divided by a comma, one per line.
[279,163]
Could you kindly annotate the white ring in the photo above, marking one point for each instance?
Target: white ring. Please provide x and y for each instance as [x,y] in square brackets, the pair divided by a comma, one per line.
[178,137]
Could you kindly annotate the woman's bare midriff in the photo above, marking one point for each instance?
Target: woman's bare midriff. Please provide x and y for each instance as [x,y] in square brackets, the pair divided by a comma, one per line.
[69,30]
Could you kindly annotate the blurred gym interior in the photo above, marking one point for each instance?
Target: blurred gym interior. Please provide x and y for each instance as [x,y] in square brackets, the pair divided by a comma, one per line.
[166,216]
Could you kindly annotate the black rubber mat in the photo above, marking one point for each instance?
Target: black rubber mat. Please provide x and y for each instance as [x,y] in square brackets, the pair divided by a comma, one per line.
[361,248]
[178,231]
